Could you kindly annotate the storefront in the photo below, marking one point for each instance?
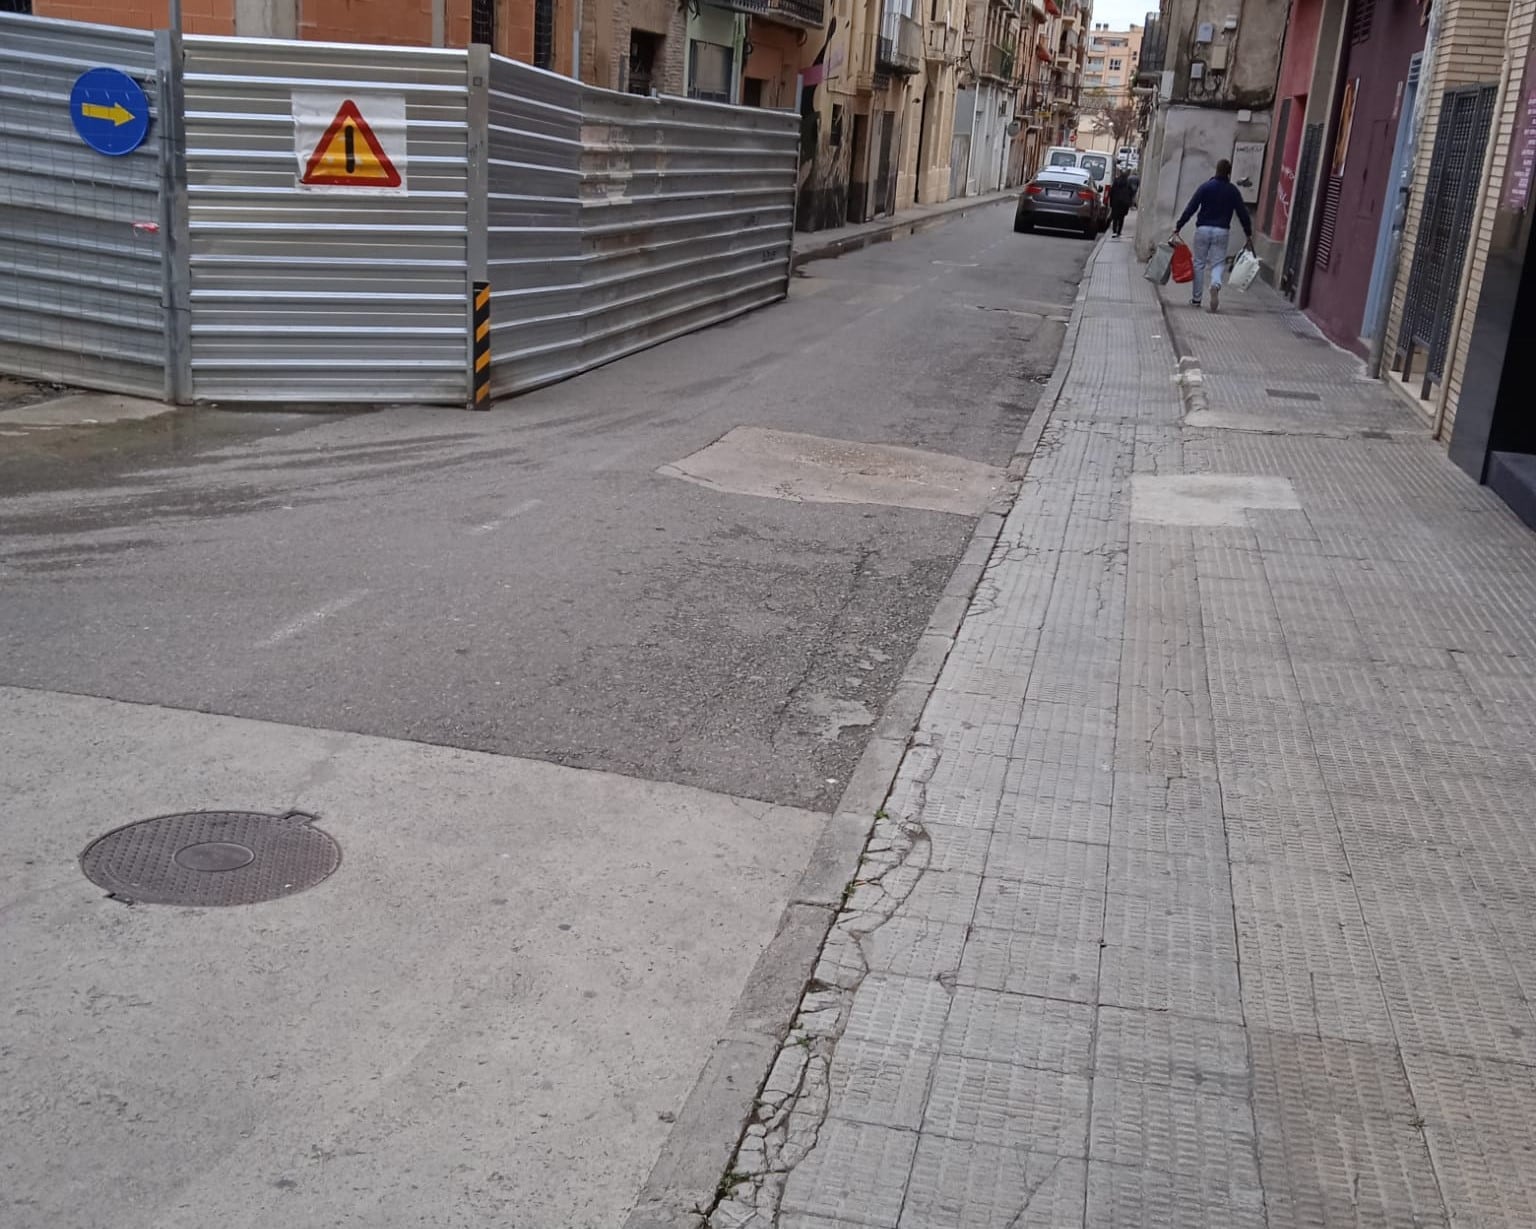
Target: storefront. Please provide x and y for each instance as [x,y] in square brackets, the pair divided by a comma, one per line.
[1356,165]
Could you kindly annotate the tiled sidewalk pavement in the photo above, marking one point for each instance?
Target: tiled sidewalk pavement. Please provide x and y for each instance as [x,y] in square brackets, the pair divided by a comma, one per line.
[1206,896]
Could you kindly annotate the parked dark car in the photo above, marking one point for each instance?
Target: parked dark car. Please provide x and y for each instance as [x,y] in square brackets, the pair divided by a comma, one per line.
[1064,198]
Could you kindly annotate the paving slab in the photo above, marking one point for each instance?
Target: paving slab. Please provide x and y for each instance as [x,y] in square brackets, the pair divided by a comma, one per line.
[1250,944]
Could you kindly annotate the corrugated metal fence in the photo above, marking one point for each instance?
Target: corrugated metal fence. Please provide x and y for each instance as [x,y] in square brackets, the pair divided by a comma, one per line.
[617,221]
[603,222]
[299,295]
[81,259]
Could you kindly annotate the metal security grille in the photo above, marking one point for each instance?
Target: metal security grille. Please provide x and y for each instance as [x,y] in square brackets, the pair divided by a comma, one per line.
[1328,227]
[1450,205]
[1360,21]
[544,33]
[1301,205]
[482,22]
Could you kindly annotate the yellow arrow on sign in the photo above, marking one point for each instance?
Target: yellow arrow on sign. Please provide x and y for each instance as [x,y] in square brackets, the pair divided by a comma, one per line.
[117,113]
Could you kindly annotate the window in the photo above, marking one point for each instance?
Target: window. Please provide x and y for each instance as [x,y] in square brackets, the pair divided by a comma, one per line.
[15,6]
[1095,62]
[709,72]
[544,33]
[1116,65]
[482,22]
[642,61]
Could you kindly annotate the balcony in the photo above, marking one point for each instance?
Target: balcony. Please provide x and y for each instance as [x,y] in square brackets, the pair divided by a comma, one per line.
[1154,49]
[941,42]
[796,14]
[901,44]
[999,63]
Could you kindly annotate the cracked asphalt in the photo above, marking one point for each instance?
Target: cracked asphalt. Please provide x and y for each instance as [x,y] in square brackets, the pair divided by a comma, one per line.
[524,582]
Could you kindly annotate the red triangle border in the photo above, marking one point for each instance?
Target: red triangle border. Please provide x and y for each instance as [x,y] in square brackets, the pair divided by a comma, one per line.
[348,111]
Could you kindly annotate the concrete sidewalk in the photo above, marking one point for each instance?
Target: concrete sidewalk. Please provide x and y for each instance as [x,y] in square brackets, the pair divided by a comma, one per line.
[1204,896]
[825,244]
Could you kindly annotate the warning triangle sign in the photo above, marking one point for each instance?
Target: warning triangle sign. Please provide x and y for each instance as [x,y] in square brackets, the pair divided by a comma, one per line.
[349,155]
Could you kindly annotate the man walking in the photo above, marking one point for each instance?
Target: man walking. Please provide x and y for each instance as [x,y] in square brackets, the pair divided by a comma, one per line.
[1214,201]
[1121,194]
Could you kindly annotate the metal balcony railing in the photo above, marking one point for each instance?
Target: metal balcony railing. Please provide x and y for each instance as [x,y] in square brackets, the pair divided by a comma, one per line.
[1154,48]
[999,63]
[901,44]
[797,14]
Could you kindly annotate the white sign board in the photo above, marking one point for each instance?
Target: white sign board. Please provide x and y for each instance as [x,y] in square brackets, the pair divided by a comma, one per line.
[350,143]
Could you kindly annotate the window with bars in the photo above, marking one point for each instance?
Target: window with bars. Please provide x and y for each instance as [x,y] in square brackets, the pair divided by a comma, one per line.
[482,22]
[544,33]
[16,6]
[1361,19]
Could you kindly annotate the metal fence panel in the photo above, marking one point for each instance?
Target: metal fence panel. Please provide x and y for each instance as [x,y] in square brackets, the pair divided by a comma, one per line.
[323,297]
[1450,208]
[654,217]
[81,260]
[533,222]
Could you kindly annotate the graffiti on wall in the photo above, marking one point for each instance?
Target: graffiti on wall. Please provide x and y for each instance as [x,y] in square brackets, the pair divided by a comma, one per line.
[825,151]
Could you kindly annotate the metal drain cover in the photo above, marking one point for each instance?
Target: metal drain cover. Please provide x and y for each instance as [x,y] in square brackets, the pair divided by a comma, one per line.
[211,858]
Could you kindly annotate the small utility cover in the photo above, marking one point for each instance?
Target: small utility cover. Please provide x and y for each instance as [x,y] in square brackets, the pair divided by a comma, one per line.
[109,111]
[350,142]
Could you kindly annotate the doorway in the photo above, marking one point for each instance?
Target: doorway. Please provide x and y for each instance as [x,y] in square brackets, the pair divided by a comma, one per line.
[858,179]
[643,49]
[922,148]
[1398,186]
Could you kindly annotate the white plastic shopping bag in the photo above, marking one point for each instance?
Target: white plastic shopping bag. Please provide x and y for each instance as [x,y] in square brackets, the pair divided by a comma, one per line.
[1244,269]
[1161,265]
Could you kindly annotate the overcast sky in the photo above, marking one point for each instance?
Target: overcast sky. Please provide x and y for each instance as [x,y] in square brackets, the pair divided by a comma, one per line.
[1120,13]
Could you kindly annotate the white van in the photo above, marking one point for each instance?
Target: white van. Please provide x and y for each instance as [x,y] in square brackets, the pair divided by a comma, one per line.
[1097,164]
[1059,155]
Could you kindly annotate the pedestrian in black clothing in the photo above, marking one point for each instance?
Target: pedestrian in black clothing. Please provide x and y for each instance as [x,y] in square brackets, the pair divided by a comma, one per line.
[1121,195]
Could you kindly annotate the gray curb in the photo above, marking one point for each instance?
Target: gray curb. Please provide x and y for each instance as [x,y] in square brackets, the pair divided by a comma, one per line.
[893,229]
[704,1138]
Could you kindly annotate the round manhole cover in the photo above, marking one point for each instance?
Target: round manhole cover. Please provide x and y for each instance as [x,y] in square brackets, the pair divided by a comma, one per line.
[211,858]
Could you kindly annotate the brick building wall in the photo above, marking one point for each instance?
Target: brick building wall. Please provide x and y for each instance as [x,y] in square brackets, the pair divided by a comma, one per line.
[197,16]
[665,18]
[1469,50]
[399,22]
[1516,38]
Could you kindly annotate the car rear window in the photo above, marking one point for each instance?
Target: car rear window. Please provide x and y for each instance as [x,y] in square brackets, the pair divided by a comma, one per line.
[1063,159]
[1099,167]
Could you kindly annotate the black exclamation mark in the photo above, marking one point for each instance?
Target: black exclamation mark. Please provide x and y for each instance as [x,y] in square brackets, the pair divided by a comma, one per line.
[347,131]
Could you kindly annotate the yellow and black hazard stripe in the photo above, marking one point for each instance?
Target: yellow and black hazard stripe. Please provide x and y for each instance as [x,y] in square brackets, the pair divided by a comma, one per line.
[482,348]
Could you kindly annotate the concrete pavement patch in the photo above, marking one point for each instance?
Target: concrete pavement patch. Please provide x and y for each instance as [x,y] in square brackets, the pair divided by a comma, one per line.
[489,1013]
[1206,499]
[811,468]
[84,410]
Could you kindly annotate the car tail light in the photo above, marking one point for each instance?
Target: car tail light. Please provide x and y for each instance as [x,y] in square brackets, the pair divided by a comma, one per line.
[1088,194]
[1033,189]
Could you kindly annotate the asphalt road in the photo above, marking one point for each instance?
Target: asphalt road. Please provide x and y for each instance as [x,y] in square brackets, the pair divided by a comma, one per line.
[427,628]
[525,582]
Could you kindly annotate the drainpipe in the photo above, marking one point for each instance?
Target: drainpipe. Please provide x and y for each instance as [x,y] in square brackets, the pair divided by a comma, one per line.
[1459,318]
[576,40]
[1403,191]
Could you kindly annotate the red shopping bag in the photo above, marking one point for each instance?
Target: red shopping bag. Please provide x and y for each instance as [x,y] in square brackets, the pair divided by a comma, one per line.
[1183,263]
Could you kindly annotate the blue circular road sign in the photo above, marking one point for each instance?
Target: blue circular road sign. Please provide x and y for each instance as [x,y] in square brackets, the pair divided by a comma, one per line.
[109,110]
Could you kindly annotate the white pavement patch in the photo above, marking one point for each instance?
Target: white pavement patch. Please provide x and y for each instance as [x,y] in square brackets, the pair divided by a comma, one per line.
[479,1019]
[1207,499]
[811,468]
